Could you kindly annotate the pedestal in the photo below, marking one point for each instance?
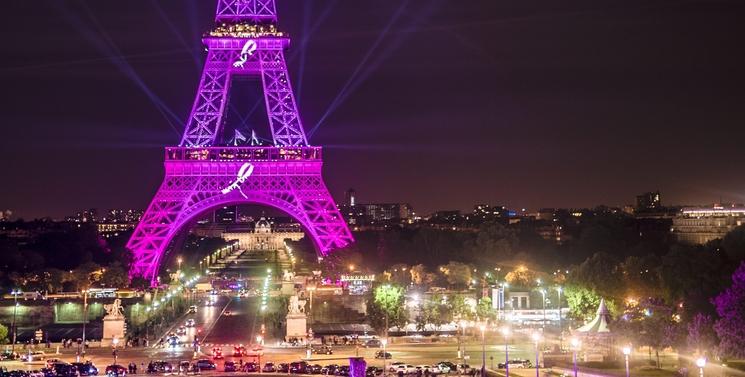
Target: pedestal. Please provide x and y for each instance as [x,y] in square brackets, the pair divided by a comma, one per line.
[112,328]
[297,326]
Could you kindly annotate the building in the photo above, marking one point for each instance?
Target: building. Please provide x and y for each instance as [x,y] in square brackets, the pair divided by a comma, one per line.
[485,212]
[264,236]
[373,213]
[649,201]
[700,225]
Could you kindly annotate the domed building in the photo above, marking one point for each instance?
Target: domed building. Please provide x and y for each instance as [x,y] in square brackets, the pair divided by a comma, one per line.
[263,236]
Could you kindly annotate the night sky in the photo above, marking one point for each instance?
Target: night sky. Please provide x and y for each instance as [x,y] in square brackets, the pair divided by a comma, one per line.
[525,103]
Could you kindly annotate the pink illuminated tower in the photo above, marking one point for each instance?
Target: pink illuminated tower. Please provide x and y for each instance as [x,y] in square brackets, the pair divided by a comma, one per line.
[201,175]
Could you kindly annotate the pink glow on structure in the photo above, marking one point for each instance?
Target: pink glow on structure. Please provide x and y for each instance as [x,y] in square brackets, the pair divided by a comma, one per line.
[286,176]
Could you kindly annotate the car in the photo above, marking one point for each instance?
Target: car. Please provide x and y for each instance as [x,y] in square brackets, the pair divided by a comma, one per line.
[206,364]
[394,366]
[33,356]
[159,367]
[329,369]
[64,370]
[190,322]
[426,368]
[315,369]
[373,343]
[323,350]
[342,371]
[36,373]
[229,366]
[181,330]
[86,369]
[239,351]
[517,363]
[116,370]
[52,361]
[373,371]
[405,368]
[186,368]
[283,368]
[383,355]
[464,369]
[250,367]
[217,353]
[173,341]
[299,367]
[446,366]
[192,309]
[269,368]
[9,355]
[227,313]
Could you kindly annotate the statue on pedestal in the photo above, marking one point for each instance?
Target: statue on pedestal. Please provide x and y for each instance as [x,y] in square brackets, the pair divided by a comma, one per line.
[297,328]
[113,323]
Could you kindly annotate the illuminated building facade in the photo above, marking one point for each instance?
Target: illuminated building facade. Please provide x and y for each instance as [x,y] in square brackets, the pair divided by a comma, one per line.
[264,236]
[703,224]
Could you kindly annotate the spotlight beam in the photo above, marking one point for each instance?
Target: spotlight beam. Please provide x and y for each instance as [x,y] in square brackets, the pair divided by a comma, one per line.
[175,32]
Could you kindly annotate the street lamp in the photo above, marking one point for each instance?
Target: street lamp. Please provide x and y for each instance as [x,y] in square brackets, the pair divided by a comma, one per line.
[483,350]
[561,329]
[701,363]
[179,260]
[506,333]
[384,341]
[15,294]
[114,343]
[85,318]
[536,338]
[626,353]
[575,348]
[543,293]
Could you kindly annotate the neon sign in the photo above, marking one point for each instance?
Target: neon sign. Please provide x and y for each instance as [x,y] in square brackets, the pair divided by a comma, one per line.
[243,173]
[248,49]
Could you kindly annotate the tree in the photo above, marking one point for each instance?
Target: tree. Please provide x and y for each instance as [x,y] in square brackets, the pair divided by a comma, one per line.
[418,274]
[521,277]
[583,302]
[386,305]
[701,334]
[3,333]
[484,309]
[457,274]
[493,242]
[459,308]
[730,306]
[115,276]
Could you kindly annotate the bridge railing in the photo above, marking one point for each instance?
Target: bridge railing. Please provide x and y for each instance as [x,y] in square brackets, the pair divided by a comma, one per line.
[243,154]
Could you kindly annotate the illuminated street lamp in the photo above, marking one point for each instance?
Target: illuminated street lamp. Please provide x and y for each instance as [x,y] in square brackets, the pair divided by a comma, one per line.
[114,343]
[384,341]
[483,350]
[537,338]
[506,333]
[575,347]
[561,328]
[179,260]
[543,294]
[15,294]
[626,353]
[701,363]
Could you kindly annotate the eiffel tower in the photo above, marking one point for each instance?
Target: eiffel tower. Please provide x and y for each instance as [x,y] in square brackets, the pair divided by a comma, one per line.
[201,175]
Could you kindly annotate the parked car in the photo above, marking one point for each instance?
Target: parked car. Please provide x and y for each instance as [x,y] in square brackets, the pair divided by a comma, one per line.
[64,370]
[187,368]
[329,369]
[299,367]
[192,309]
[217,353]
[373,343]
[159,367]
[86,368]
[116,370]
[206,364]
[229,366]
[342,371]
[373,371]
[250,367]
[283,368]
[323,350]
[383,355]
[464,369]
[315,369]
[517,363]
[394,366]
[239,351]
[426,368]
[405,368]
[446,366]
[269,368]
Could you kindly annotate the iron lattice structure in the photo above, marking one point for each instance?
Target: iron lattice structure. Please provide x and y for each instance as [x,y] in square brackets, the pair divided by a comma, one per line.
[201,176]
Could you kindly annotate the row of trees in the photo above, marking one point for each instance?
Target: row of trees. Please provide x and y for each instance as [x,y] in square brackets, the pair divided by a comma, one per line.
[686,298]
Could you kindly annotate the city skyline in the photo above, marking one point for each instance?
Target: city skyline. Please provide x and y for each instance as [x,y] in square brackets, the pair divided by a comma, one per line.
[530,110]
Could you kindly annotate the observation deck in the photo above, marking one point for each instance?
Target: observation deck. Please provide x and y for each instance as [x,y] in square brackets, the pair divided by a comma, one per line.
[248,154]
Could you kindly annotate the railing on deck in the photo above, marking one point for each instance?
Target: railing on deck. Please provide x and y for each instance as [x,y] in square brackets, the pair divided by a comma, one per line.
[243,154]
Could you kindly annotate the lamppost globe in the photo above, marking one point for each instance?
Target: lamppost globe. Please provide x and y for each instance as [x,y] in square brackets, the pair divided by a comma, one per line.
[626,350]
[536,337]
[483,328]
[505,331]
[701,362]
[574,342]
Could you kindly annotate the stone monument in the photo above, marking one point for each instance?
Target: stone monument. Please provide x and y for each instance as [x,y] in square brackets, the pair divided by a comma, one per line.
[113,323]
[297,320]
